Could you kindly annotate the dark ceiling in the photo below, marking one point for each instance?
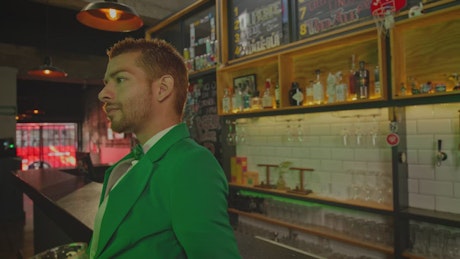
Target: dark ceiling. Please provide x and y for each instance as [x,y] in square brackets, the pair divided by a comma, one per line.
[28,23]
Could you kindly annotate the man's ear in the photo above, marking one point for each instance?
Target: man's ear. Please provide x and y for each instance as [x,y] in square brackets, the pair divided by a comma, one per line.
[166,86]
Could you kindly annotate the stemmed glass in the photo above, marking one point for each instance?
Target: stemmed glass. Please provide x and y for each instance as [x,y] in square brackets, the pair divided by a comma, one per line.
[231,136]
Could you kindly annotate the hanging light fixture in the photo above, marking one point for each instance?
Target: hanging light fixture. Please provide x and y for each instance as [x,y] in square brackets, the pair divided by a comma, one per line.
[110,16]
[47,70]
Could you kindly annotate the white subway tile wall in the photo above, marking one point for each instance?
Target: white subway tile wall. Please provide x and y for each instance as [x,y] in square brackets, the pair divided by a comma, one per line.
[339,146]
[431,186]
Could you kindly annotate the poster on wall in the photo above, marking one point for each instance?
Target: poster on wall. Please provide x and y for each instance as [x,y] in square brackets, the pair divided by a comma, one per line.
[201,114]
[256,26]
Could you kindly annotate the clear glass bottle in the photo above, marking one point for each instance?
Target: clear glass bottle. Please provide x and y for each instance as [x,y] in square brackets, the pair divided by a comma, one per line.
[341,91]
[237,100]
[226,101]
[331,85]
[267,99]
[318,89]
[363,83]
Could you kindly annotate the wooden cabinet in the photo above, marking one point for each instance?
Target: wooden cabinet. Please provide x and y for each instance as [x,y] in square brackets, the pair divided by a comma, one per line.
[298,63]
[425,60]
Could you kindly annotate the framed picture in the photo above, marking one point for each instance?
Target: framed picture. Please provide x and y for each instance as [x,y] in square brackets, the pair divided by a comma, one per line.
[246,83]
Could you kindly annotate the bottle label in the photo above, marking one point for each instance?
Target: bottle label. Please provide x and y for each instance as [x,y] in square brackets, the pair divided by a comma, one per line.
[298,97]
[318,93]
[267,102]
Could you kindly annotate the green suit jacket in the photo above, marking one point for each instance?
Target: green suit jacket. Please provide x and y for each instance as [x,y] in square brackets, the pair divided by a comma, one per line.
[172,204]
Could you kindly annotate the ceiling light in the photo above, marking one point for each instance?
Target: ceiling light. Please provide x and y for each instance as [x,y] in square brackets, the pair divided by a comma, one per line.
[110,16]
[47,70]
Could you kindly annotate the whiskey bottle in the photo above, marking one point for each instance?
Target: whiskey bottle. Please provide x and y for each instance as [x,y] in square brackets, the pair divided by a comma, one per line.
[309,93]
[256,102]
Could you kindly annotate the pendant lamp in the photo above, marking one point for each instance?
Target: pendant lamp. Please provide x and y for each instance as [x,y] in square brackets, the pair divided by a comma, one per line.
[110,15]
[47,70]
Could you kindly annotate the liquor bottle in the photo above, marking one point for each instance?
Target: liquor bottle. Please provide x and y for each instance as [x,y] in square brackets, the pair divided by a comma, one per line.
[267,99]
[295,95]
[377,86]
[318,89]
[341,90]
[363,82]
[277,95]
[352,84]
[246,100]
[403,89]
[226,101]
[237,100]
[256,102]
[309,93]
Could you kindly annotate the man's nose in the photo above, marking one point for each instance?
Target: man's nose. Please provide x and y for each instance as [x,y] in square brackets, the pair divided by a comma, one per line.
[105,93]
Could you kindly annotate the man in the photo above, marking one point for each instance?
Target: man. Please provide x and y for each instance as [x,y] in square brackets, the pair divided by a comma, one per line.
[171,202]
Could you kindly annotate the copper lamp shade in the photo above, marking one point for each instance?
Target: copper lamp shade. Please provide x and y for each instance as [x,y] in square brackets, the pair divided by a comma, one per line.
[110,16]
[47,70]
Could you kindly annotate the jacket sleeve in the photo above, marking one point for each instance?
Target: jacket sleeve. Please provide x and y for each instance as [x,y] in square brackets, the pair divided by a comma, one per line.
[199,207]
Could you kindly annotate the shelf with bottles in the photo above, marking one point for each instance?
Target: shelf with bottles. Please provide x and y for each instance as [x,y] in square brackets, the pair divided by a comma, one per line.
[361,229]
[424,55]
[324,66]
[262,69]
[337,71]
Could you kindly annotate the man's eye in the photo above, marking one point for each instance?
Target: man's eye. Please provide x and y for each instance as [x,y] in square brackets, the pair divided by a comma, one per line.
[120,79]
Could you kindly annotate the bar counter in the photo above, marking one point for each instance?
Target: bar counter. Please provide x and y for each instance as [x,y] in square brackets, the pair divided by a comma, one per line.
[65,206]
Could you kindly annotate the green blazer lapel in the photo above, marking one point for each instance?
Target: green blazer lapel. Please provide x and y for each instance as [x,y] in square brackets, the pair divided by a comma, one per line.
[122,198]
[107,173]
[125,194]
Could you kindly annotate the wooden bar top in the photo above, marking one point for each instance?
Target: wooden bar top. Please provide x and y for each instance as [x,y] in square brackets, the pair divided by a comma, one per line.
[71,201]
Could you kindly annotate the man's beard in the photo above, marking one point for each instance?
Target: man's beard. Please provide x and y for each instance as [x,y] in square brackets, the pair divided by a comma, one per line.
[133,115]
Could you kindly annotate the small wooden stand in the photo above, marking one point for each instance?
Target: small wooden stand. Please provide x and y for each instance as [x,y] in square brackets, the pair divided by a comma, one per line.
[300,189]
[266,185]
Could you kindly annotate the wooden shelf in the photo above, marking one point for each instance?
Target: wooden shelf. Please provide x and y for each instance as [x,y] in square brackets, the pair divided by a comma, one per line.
[298,64]
[372,207]
[434,217]
[319,231]
[417,56]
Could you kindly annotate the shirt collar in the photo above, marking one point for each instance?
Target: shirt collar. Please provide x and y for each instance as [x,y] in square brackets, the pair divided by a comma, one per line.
[153,140]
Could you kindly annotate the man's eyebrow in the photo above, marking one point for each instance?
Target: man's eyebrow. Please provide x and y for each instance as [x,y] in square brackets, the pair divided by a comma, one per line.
[112,75]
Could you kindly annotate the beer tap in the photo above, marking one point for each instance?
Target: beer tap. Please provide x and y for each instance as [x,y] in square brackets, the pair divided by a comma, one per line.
[441,156]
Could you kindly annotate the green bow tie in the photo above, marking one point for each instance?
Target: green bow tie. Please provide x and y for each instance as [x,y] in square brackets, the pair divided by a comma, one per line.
[138,152]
